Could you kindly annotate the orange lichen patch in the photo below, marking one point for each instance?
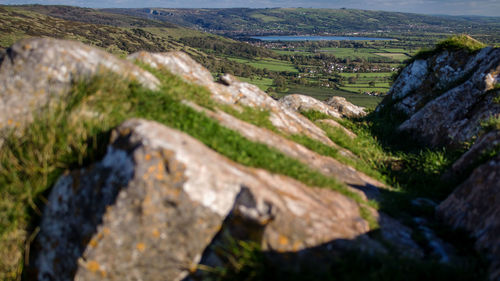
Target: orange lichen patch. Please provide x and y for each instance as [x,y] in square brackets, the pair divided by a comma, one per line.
[93,266]
[193,267]
[172,192]
[140,247]
[124,132]
[156,233]
[93,243]
[104,274]
[108,208]
[10,122]
[151,169]
[147,157]
[106,231]
[296,245]
[159,174]
[283,240]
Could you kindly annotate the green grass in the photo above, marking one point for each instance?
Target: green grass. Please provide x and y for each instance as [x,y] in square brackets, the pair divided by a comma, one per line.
[351,52]
[452,43]
[413,171]
[266,63]
[262,83]
[362,88]
[394,56]
[61,139]
[492,123]
[323,94]
[367,75]
[17,23]
[295,53]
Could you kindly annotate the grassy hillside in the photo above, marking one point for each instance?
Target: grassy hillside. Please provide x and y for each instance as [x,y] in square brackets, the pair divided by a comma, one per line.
[238,21]
[17,23]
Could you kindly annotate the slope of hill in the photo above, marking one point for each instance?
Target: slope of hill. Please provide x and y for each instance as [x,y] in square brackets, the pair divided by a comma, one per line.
[123,35]
[237,22]
[17,23]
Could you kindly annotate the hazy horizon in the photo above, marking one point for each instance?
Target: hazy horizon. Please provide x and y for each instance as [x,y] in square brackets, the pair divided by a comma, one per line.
[430,7]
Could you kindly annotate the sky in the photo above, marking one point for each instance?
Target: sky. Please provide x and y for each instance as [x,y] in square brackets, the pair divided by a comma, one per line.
[450,7]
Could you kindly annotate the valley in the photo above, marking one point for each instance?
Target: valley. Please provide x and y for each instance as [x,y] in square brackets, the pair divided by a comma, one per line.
[171,144]
[344,68]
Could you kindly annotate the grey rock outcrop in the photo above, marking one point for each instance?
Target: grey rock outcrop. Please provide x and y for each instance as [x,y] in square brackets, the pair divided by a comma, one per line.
[234,92]
[306,103]
[447,96]
[345,108]
[157,200]
[475,207]
[33,71]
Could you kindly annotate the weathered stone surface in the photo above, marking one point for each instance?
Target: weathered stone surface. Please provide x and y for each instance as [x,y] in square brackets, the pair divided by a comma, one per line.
[326,165]
[306,103]
[447,102]
[34,70]
[234,92]
[483,146]
[159,197]
[475,206]
[345,108]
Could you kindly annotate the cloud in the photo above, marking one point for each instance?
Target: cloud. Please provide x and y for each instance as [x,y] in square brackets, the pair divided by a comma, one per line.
[453,7]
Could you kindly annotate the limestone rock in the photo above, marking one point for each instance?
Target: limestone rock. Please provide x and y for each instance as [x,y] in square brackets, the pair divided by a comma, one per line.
[475,206]
[306,103]
[326,165]
[159,197]
[346,108]
[34,70]
[487,143]
[234,92]
[447,96]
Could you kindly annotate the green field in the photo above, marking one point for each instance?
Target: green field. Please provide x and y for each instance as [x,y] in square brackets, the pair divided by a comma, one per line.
[262,83]
[361,88]
[323,94]
[267,63]
[396,54]
[361,85]
[367,75]
[288,52]
[343,53]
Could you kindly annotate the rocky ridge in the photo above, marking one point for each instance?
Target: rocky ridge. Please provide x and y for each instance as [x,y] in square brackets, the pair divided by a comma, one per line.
[446,100]
[162,201]
[161,183]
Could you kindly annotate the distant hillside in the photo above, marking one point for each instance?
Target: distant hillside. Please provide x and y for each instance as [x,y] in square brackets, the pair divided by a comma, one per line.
[122,34]
[94,16]
[314,21]
[17,23]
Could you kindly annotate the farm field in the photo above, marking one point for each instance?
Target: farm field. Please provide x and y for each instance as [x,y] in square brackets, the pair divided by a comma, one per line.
[267,63]
[262,83]
[323,94]
[397,54]
[362,80]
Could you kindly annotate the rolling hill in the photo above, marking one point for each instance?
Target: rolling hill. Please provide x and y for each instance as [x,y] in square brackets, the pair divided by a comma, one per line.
[240,21]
